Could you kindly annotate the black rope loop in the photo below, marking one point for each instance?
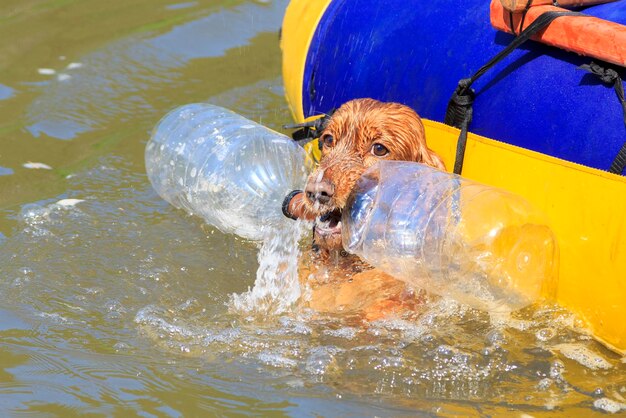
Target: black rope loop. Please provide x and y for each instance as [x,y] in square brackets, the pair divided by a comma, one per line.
[611,77]
[459,112]
[460,104]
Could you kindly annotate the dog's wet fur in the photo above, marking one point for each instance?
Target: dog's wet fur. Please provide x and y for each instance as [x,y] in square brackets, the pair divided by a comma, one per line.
[359,134]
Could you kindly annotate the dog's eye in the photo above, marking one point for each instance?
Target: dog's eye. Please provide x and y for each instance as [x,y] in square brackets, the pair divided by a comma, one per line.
[328,140]
[379,150]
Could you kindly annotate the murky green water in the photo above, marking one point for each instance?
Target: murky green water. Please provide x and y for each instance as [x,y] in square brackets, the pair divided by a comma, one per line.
[115,304]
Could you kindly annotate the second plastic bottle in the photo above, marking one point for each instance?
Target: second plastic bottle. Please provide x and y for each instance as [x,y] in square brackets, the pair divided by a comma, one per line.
[451,236]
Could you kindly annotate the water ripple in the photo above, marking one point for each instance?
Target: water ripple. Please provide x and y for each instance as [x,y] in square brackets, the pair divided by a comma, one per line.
[114,82]
[5,92]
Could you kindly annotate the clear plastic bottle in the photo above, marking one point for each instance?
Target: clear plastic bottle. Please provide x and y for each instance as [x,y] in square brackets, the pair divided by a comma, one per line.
[225,168]
[484,246]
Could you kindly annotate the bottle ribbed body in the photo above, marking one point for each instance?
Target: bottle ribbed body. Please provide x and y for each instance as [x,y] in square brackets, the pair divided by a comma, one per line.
[482,245]
[229,170]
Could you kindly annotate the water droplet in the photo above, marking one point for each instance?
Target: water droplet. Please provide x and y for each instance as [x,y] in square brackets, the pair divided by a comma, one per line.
[545,334]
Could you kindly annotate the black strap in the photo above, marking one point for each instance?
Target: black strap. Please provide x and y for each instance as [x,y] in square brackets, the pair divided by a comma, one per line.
[611,76]
[460,111]
[309,131]
[459,114]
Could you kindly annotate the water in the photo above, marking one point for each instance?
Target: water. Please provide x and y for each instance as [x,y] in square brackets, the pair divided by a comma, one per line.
[116,304]
[276,288]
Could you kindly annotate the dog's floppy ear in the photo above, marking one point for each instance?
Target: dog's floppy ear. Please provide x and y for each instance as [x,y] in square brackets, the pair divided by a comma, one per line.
[431,158]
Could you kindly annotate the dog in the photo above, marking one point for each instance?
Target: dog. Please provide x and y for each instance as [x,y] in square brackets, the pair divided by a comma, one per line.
[358,135]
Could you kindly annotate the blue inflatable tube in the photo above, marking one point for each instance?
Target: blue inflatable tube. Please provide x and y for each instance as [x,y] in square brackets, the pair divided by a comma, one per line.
[415,52]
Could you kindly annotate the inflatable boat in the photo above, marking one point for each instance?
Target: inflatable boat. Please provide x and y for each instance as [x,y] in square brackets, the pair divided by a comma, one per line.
[547,121]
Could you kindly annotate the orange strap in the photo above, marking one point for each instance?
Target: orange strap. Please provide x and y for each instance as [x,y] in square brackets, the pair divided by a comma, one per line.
[520,5]
[584,35]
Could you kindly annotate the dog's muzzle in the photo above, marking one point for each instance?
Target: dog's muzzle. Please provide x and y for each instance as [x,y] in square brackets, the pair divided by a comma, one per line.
[329,223]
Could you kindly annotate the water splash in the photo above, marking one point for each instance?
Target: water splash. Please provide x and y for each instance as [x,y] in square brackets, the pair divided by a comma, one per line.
[276,287]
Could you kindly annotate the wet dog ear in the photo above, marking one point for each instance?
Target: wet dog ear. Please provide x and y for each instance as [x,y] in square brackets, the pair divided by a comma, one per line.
[431,158]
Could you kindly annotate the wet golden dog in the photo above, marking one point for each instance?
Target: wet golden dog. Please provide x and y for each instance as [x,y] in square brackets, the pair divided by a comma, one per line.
[359,134]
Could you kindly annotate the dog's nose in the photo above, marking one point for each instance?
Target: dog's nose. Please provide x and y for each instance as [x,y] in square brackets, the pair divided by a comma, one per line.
[321,191]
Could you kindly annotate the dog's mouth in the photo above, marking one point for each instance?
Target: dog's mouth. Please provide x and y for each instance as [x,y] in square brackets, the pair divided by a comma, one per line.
[329,224]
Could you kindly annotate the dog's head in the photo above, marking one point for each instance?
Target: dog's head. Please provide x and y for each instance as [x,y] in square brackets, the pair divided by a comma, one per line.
[360,133]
